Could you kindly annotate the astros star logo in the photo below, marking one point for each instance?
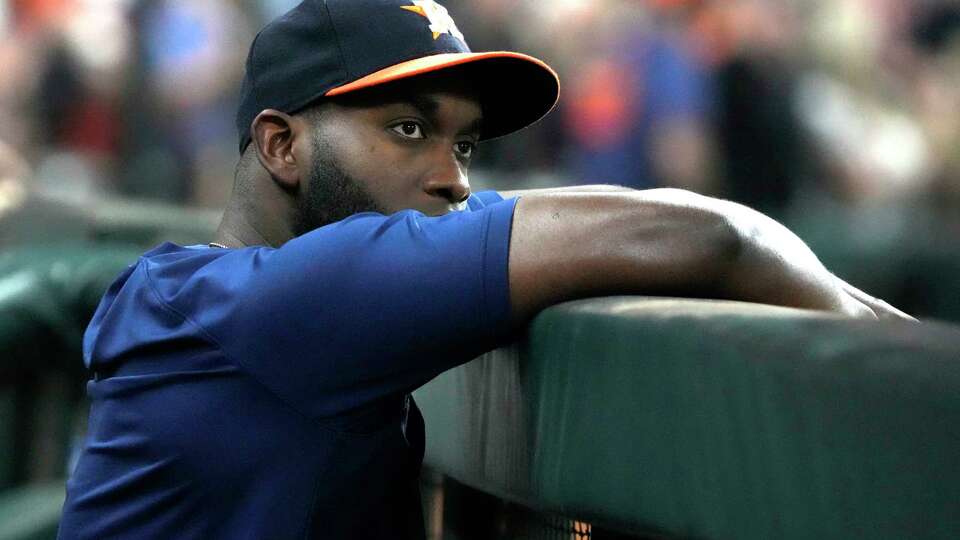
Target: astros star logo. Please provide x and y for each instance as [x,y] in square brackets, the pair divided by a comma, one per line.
[440,20]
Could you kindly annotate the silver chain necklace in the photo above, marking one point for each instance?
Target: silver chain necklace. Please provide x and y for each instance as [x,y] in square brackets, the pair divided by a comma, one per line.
[214,244]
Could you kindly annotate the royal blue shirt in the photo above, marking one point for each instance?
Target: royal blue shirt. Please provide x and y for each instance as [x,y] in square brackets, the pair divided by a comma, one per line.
[265,392]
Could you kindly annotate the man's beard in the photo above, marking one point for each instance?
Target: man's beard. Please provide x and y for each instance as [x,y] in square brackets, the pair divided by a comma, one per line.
[331,194]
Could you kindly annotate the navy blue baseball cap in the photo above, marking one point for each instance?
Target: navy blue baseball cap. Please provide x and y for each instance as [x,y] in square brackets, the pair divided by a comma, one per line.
[326,48]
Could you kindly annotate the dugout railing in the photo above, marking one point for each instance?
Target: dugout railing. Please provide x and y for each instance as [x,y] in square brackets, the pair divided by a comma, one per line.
[676,418]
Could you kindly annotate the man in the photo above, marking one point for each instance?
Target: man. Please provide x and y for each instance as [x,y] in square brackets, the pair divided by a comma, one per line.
[260,387]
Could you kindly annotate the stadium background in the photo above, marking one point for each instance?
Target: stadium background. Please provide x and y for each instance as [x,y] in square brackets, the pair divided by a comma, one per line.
[840,118]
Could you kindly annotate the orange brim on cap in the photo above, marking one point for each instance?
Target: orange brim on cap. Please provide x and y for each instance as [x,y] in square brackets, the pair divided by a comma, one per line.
[520,89]
[427,64]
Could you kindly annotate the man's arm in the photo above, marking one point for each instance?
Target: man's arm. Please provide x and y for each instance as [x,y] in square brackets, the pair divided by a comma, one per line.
[575,243]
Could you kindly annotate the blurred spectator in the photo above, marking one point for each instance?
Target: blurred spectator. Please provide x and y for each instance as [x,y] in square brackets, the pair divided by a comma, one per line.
[936,91]
[23,40]
[532,157]
[765,156]
[637,109]
[853,102]
[77,96]
[190,60]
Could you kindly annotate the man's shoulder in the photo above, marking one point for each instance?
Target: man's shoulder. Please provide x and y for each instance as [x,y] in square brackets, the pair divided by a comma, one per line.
[178,258]
[169,267]
[150,298]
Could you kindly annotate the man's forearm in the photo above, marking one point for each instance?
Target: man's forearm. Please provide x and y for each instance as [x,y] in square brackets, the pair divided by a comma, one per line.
[575,244]
[595,240]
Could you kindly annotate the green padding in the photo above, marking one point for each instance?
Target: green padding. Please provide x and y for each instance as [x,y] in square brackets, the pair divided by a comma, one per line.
[713,420]
[77,274]
[47,295]
[31,512]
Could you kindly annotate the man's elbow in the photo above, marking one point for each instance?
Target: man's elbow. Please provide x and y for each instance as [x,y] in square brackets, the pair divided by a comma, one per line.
[690,243]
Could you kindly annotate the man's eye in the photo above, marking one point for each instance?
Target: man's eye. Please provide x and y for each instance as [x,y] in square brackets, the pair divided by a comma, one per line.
[465,149]
[409,129]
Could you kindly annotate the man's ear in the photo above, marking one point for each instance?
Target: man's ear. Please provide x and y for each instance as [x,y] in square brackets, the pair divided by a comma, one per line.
[273,134]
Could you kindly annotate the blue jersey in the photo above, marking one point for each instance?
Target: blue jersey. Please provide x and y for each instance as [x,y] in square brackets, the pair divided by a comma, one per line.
[265,392]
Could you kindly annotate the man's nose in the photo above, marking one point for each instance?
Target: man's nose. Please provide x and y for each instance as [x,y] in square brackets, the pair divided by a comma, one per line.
[447,178]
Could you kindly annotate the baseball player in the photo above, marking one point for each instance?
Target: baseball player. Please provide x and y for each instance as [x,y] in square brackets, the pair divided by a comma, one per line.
[259,386]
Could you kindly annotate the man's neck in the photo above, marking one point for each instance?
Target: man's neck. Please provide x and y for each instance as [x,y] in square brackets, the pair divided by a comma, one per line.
[239,229]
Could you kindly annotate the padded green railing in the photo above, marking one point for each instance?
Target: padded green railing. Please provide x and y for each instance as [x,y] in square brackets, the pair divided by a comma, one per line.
[699,419]
[47,295]
[31,512]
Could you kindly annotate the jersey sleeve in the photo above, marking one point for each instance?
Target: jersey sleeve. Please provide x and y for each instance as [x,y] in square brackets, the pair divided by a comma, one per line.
[361,309]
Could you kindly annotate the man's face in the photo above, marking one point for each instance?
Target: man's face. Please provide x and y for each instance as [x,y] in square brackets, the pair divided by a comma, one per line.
[402,146]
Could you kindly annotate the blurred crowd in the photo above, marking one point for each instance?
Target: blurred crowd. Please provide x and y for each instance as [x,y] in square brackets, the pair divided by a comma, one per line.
[840,117]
